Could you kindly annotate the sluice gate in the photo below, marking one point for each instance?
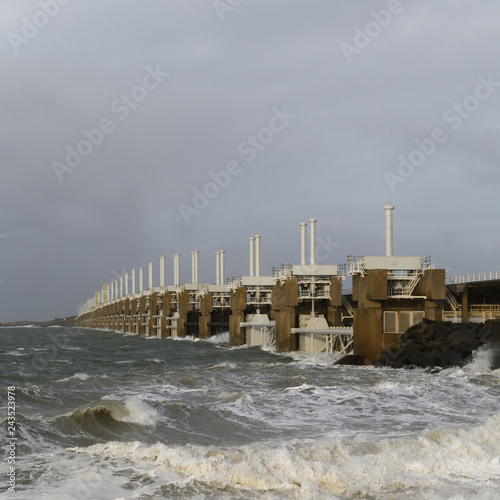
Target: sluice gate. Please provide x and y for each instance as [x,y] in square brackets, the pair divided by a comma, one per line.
[298,307]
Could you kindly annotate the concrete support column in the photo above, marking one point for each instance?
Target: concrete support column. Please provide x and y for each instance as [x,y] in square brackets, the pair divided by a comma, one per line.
[237,335]
[285,321]
[206,307]
[126,313]
[140,319]
[183,308]
[285,297]
[465,305]
[114,323]
[152,314]
[119,323]
[333,316]
[433,311]
[165,310]
[133,312]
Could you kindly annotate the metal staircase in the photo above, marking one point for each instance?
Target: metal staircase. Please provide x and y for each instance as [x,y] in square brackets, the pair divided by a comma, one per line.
[413,282]
[452,301]
[348,306]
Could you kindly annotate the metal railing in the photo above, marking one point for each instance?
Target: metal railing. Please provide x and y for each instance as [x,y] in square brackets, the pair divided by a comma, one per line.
[471,278]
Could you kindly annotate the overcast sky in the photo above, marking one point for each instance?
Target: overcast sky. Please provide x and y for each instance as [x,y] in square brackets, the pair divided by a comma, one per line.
[325,108]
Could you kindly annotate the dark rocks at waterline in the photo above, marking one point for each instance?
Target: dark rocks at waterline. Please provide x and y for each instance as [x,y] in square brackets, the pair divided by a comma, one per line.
[444,344]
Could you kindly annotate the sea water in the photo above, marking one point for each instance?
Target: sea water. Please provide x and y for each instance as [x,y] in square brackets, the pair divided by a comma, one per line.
[106,415]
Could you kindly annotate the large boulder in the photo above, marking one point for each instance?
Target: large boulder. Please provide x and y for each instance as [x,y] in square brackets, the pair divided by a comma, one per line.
[443,344]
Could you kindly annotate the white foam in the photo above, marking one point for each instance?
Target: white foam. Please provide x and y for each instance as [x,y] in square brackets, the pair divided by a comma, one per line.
[481,361]
[224,364]
[136,411]
[436,463]
[307,360]
[220,338]
[300,388]
[76,376]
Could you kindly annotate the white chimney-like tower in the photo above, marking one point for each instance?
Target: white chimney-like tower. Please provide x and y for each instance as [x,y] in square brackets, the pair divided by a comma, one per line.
[303,243]
[388,230]
[257,255]
[312,224]
[162,271]
[177,269]
[252,240]
[197,266]
[222,267]
[217,267]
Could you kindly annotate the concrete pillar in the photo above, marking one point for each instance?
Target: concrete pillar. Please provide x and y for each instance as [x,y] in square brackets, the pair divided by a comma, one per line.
[120,316]
[165,309]
[465,305]
[183,308]
[334,316]
[126,317]
[369,291]
[133,281]
[141,280]
[285,298]
[206,307]
[238,305]
[140,319]
[152,313]
[433,311]
[151,276]
[133,312]
[114,323]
